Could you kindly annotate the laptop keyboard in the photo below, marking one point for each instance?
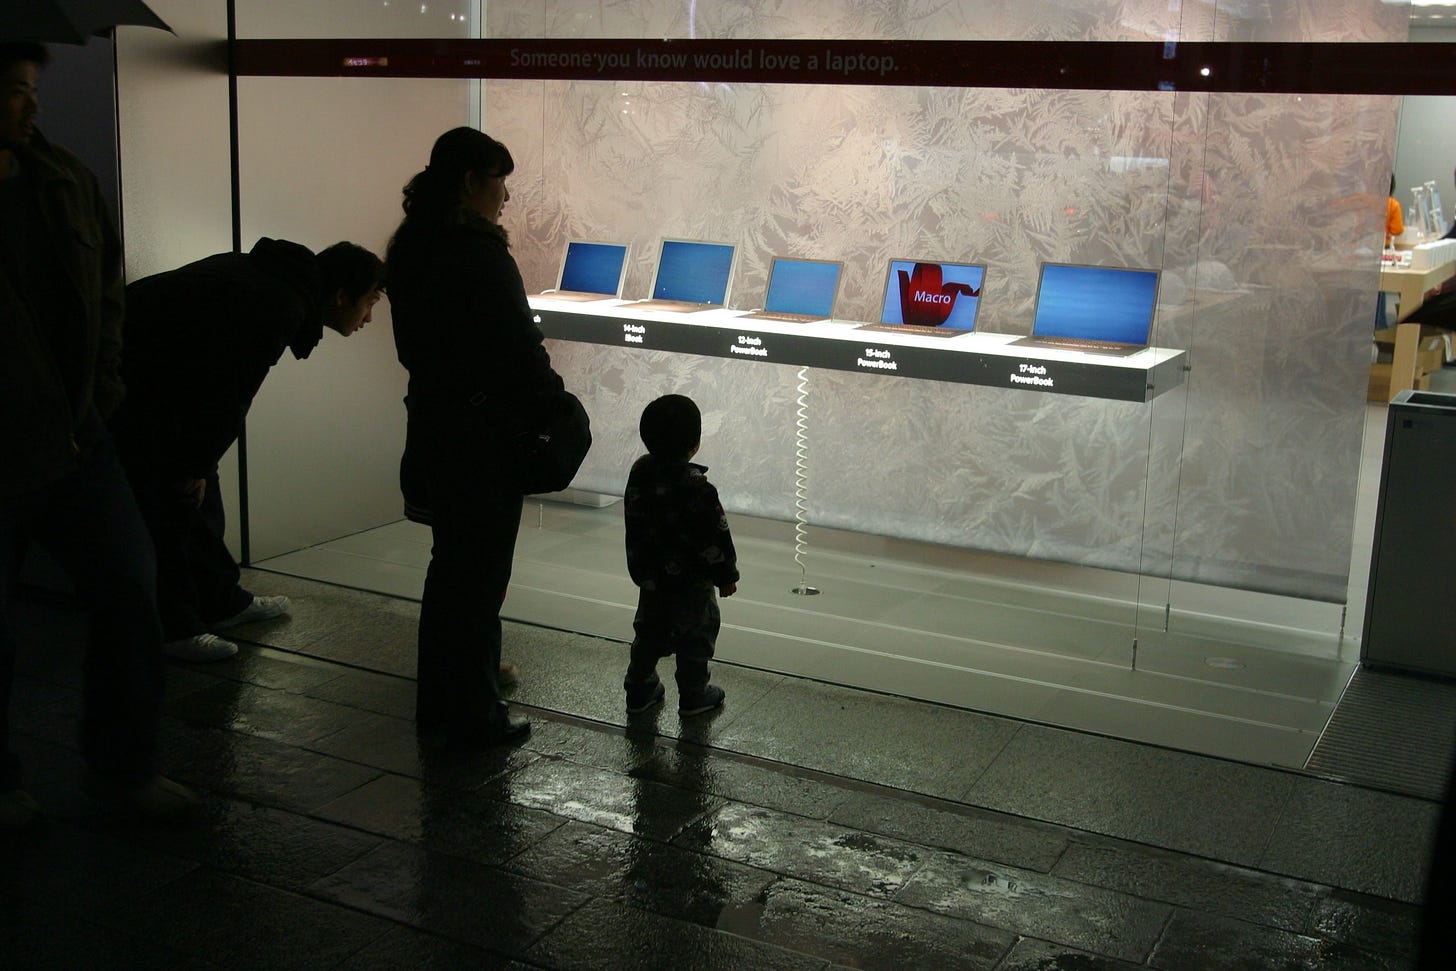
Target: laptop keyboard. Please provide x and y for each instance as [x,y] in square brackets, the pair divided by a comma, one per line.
[576,296]
[1080,344]
[1072,343]
[785,316]
[914,329]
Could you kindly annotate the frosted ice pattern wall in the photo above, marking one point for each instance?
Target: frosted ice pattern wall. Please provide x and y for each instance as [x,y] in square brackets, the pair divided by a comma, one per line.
[1246,477]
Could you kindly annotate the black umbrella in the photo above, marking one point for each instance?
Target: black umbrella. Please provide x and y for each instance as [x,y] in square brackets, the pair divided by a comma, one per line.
[70,21]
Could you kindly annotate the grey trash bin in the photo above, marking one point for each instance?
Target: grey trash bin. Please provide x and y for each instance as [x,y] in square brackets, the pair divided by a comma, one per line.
[1410,609]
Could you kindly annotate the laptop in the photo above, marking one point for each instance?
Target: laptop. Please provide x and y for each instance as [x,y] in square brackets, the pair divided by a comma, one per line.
[933,299]
[691,275]
[590,271]
[1096,309]
[799,291]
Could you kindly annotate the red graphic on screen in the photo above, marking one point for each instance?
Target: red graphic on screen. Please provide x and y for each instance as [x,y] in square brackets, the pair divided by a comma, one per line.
[924,300]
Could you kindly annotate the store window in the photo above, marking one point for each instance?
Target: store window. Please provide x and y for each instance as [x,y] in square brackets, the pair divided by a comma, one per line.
[1183,561]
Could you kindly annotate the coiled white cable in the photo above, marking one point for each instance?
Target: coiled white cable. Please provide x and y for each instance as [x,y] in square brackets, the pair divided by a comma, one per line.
[801,481]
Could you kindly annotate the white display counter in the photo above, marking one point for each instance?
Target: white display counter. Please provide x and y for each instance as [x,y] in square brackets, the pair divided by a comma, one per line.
[968,358]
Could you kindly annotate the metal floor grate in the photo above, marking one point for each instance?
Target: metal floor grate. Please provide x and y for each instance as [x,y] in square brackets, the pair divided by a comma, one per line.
[1391,731]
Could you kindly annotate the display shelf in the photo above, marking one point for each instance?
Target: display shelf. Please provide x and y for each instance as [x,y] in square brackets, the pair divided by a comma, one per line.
[978,358]
[1411,286]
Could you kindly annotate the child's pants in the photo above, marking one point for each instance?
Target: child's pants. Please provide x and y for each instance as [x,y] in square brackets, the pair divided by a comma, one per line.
[684,623]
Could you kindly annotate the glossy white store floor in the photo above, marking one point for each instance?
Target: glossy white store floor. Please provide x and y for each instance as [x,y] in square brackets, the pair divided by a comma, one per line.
[1238,675]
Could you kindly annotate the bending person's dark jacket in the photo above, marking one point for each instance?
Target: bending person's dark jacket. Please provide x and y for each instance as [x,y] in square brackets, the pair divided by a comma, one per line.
[477,365]
[200,339]
[677,535]
[58,377]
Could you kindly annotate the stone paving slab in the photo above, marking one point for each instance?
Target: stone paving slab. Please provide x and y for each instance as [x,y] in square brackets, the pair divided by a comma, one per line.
[659,877]
[464,901]
[1102,921]
[243,924]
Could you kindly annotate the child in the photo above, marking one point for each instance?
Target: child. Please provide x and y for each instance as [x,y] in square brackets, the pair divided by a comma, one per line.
[678,550]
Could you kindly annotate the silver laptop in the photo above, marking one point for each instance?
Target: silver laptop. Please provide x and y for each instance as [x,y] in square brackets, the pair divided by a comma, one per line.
[1093,309]
[930,298]
[692,275]
[800,291]
[590,271]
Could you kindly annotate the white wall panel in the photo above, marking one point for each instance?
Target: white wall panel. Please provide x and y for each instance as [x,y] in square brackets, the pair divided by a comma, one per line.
[172,96]
[172,121]
[325,160]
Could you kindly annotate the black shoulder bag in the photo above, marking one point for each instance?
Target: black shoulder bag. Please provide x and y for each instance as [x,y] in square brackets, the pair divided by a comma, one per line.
[545,456]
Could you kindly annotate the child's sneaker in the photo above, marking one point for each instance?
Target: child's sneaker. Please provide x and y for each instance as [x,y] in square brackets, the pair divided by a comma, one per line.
[644,697]
[706,700]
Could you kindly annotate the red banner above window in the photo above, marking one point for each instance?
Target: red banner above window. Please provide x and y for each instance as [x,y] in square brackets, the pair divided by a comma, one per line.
[1357,68]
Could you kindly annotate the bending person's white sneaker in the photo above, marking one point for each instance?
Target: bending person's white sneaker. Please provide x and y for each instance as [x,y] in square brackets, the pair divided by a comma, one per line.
[200,647]
[262,608]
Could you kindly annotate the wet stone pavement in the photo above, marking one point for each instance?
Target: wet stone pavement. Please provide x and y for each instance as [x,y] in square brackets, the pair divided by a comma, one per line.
[330,840]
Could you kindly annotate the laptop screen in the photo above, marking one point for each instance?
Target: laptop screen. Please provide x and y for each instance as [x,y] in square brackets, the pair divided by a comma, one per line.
[693,271]
[923,294]
[593,267]
[1100,303]
[802,287]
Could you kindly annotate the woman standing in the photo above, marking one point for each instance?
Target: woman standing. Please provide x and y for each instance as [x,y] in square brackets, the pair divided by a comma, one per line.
[465,333]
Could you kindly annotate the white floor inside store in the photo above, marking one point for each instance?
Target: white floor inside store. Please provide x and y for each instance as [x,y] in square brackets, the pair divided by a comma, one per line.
[1239,675]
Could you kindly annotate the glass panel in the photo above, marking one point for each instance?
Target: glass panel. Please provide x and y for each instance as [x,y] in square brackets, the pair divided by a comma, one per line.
[834,19]
[1279,346]
[262,19]
[866,175]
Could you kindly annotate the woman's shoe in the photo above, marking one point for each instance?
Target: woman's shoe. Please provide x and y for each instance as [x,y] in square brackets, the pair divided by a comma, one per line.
[498,728]
[514,728]
[506,727]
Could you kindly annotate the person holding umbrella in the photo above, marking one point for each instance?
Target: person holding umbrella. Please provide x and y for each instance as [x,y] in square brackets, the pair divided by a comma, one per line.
[61,485]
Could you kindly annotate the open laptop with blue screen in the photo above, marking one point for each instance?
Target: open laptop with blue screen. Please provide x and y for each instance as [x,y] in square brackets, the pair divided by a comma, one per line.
[933,299]
[691,275]
[590,271]
[800,291]
[1099,309]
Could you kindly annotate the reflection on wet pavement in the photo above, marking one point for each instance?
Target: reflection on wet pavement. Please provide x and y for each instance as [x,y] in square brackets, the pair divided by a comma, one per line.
[331,839]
